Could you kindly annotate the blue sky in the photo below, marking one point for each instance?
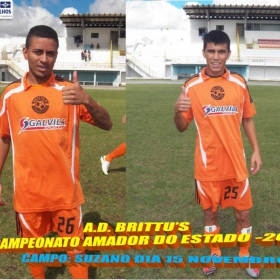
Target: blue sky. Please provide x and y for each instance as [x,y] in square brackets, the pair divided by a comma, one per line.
[149,14]
[55,7]
[153,14]
[179,4]
[28,13]
[139,14]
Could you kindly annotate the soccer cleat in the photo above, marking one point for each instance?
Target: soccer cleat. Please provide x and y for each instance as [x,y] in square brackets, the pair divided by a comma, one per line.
[253,272]
[208,271]
[104,165]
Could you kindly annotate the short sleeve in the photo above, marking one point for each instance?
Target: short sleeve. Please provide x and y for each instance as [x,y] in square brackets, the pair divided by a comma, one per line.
[84,115]
[249,109]
[4,123]
[188,115]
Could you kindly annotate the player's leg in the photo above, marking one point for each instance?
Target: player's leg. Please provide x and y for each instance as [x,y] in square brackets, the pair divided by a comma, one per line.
[33,225]
[77,272]
[106,160]
[119,151]
[208,195]
[68,223]
[243,225]
[38,272]
[211,226]
[238,195]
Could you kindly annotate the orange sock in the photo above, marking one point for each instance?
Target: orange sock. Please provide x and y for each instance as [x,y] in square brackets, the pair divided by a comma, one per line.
[38,272]
[119,151]
[77,272]
[215,249]
[244,251]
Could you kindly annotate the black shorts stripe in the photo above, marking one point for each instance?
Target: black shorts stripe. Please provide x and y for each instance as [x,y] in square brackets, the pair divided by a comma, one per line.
[18,225]
[197,200]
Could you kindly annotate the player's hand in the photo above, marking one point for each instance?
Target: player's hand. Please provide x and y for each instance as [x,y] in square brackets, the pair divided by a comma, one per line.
[124,119]
[2,203]
[183,103]
[74,95]
[256,162]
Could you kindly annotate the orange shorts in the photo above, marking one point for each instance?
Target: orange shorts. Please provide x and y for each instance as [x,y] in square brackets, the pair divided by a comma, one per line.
[67,223]
[227,193]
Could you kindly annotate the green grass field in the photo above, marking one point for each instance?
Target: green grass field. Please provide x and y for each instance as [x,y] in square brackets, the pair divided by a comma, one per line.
[158,172]
[160,184]
[104,195]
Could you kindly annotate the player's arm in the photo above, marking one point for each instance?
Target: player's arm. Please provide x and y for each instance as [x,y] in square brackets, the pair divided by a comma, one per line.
[4,149]
[99,114]
[250,130]
[76,95]
[183,104]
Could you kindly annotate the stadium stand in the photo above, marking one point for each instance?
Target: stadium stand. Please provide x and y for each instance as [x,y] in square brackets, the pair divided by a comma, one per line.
[254,31]
[105,66]
[269,43]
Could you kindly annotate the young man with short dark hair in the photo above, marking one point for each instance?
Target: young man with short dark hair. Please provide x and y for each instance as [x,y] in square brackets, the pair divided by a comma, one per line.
[219,102]
[39,115]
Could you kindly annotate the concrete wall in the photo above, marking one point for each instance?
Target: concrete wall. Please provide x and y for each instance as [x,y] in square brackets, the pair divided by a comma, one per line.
[94,77]
[229,26]
[122,44]
[103,40]
[255,35]
[130,73]
[8,77]
[264,73]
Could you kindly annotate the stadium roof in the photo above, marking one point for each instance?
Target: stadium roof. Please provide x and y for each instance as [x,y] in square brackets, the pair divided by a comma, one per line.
[250,12]
[94,20]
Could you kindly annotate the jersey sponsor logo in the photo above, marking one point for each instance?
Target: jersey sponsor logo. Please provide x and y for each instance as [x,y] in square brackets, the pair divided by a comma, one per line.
[27,124]
[217,93]
[40,104]
[219,110]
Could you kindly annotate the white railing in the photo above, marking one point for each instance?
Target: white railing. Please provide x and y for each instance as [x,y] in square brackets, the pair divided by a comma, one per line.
[14,69]
[82,65]
[233,60]
[193,59]
[137,64]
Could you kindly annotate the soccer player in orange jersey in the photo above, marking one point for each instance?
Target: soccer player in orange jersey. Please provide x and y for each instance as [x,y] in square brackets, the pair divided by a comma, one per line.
[119,151]
[219,102]
[39,116]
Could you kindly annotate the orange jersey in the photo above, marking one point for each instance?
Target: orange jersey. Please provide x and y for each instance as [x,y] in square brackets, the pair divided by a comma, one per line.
[44,134]
[217,107]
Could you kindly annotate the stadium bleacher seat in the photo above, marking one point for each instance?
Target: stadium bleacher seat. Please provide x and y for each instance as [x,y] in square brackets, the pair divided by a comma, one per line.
[269,43]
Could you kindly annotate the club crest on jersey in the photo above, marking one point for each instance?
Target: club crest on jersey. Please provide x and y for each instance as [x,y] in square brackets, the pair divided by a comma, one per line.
[217,93]
[40,104]
[27,124]
[219,110]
